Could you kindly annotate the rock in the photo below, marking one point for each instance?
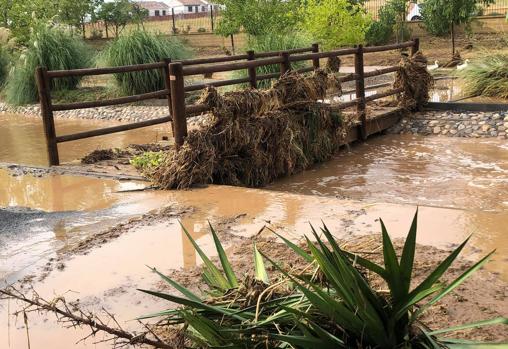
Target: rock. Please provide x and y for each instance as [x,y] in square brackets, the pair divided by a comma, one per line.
[436,130]
[485,128]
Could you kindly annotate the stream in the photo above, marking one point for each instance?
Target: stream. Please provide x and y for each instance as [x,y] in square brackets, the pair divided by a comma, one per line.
[460,185]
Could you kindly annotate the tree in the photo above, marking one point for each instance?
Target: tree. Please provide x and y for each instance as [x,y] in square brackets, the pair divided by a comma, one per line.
[257,17]
[77,12]
[335,23]
[117,13]
[442,16]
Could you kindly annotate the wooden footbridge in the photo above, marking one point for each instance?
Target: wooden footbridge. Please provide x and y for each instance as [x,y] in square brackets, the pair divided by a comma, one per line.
[175,89]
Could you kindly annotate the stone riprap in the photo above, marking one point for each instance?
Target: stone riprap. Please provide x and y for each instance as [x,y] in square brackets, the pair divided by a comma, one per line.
[455,124]
[130,113]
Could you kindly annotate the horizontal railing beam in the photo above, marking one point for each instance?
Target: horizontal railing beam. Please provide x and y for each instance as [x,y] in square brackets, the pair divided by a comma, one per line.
[382,71]
[384,94]
[216,84]
[192,70]
[113,129]
[310,56]
[103,71]
[371,49]
[109,102]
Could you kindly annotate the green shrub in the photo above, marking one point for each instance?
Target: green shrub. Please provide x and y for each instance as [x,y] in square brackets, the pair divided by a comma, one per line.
[54,49]
[274,42]
[391,21]
[4,66]
[330,303]
[147,160]
[139,47]
[487,77]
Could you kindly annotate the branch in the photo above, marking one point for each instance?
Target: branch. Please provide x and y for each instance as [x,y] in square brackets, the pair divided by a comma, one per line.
[79,318]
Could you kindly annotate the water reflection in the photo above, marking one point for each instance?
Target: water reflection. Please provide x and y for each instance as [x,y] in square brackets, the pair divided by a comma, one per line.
[22,138]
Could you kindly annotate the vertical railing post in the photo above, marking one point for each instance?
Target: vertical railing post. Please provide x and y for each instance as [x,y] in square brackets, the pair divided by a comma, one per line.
[178,103]
[360,91]
[211,18]
[252,71]
[416,46]
[48,122]
[285,65]
[315,61]
[173,19]
[167,83]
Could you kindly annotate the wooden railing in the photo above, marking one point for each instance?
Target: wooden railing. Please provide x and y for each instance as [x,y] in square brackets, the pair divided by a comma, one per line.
[174,91]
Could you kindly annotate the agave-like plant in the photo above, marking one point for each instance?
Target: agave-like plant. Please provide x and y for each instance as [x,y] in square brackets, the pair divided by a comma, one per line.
[333,307]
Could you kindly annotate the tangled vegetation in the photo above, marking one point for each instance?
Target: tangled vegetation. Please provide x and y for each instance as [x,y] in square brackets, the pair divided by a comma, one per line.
[139,47]
[487,77]
[50,47]
[253,136]
[333,302]
[415,80]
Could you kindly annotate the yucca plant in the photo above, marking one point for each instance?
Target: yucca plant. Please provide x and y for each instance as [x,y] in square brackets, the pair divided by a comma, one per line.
[333,307]
[487,76]
[50,47]
[139,47]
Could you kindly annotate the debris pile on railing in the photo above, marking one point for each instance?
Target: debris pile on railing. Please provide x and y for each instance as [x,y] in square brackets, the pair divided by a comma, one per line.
[416,81]
[254,137]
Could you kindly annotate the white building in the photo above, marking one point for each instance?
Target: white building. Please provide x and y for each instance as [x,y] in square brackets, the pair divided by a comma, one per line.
[189,6]
[155,8]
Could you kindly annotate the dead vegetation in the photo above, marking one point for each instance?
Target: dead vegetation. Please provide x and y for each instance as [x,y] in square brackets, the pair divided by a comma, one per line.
[415,80]
[254,137]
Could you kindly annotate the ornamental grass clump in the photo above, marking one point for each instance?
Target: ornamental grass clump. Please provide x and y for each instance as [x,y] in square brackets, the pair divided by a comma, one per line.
[50,47]
[4,66]
[487,76]
[330,303]
[140,47]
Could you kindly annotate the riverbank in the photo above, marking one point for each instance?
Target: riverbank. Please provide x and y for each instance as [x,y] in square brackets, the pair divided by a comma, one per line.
[455,124]
[96,273]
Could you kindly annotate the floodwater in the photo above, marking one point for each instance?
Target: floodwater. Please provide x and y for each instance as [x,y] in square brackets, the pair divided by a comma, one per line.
[460,185]
[22,138]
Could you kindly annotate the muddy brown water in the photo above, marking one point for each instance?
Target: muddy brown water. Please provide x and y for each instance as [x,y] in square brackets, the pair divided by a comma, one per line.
[22,138]
[461,186]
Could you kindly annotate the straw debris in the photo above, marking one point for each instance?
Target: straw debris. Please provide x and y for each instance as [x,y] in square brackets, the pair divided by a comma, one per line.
[254,137]
[416,81]
[333,64]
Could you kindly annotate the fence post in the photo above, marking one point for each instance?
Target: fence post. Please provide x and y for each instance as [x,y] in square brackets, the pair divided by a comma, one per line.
[360,91]
[285,65]
[315,61]
[252,71]
[167,83]
[211,18]
[173,19]
[416,46]
[178,103]
[48,122]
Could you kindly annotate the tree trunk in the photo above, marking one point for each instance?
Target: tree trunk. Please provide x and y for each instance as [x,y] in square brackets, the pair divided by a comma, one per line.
[107,32]
[453,39]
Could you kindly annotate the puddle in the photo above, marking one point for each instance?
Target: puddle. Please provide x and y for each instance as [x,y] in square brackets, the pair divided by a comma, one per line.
[451,90]
[109,276]
[22,138]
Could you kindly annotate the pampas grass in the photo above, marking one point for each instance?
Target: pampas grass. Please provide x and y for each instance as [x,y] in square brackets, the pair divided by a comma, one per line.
[4,66]
[139,47]
[53,48]
[488,76]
